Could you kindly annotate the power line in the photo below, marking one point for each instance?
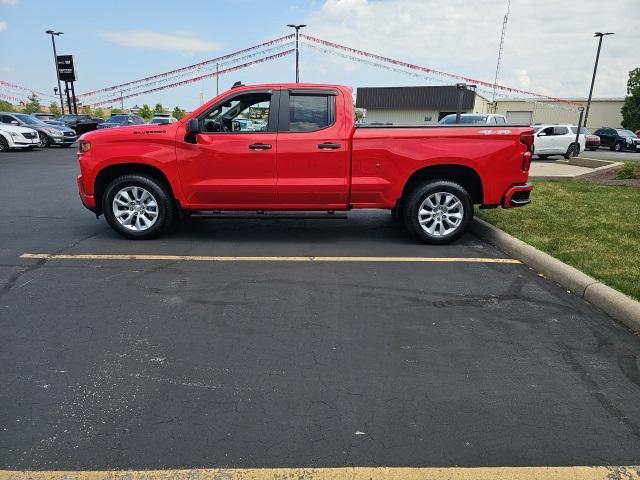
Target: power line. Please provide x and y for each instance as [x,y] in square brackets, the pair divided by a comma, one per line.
[189,67]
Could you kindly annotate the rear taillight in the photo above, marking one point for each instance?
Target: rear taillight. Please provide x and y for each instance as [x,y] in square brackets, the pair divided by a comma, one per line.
[526,138]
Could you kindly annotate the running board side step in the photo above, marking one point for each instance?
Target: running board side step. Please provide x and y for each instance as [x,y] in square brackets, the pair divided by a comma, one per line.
[260,215]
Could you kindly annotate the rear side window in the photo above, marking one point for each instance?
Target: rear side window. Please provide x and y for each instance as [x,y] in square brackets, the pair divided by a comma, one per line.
[560,130]
[310,112]
[500,120]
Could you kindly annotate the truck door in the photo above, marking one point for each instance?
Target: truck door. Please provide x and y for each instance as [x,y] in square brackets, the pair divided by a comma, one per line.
[232,163]
[313,150]
[544,141]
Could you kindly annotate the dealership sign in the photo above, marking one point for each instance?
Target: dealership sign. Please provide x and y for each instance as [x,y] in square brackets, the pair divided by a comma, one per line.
[66,68]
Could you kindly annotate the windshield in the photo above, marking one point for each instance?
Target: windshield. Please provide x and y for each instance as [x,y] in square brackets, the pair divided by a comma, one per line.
[625,133]
[118,119]
[464,119]
[28,119]
[583,131]
[68,117]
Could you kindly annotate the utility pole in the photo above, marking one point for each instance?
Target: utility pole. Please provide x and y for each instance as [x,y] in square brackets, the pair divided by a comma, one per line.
[595,68]
[55,59]
[461,89]
[297,27]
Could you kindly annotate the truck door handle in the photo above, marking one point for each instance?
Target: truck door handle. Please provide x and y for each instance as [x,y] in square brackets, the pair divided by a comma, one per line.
[260,146]
[329,145]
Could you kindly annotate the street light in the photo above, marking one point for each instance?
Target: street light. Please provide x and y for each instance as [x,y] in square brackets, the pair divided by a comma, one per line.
[55,59]
[297,27]
[595,68]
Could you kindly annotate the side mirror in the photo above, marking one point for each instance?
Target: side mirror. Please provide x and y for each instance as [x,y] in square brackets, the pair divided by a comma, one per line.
[193,128]
[129,121]
[542,134]
[14,122]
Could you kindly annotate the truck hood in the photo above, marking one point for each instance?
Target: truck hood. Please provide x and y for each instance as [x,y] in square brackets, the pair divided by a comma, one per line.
[129,131]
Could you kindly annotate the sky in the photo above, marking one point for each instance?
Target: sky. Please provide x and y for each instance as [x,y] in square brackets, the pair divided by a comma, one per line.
[549,45]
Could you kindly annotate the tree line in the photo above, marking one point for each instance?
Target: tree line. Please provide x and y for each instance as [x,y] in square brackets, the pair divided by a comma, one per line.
[33,105]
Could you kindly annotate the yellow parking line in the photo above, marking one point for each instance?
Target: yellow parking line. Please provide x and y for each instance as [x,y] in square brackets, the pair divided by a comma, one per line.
[350,473]
[196,258]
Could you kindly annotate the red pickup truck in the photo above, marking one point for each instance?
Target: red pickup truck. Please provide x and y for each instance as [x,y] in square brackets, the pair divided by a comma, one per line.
[296,147]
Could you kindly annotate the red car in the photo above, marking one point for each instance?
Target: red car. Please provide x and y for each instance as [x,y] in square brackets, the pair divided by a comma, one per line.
[300,150]
[592,141]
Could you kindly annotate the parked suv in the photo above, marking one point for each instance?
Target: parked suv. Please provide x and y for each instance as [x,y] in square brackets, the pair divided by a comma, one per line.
[47,134]
[122,121]
[618,139]
[80,123]
[474,119]
[557,140]
[162,119]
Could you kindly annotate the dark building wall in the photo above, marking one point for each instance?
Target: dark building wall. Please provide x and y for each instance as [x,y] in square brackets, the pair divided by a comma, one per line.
[413,98]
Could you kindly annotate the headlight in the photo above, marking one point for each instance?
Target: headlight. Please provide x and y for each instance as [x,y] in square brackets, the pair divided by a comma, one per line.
[84,146]
[14,134]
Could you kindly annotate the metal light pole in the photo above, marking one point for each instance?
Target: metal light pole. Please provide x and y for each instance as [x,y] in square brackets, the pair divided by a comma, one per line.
[297,27]
[595,68]
[55,59]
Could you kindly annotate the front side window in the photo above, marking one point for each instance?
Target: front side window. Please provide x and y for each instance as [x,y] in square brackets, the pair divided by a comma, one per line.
[241,114]
[310,112]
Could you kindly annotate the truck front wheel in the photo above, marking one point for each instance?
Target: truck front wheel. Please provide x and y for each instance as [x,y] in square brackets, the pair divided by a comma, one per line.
[438,212]
[138,207]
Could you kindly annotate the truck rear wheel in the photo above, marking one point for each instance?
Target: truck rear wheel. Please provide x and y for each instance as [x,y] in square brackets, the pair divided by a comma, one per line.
[139,207]
[438,212]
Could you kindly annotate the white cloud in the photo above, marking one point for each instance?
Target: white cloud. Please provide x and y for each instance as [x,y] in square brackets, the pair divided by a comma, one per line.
[549,45]
[8,2]
[3,25]
[181,41]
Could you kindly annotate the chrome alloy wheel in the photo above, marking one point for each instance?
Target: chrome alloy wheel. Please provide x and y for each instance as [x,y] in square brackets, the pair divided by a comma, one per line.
[440,214]
[135,208]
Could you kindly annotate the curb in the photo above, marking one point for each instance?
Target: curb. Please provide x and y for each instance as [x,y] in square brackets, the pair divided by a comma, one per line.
[609,165]
[612,302]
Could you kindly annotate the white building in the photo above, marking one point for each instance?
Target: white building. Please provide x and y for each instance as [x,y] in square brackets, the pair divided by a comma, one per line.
[426,105]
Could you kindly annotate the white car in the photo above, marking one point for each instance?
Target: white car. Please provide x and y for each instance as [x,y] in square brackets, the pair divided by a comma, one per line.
[17,137]
[474,119]
[557,140]
[163,119]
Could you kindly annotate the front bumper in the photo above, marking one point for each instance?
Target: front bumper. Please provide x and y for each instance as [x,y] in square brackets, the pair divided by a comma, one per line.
[89,201]
[517,196]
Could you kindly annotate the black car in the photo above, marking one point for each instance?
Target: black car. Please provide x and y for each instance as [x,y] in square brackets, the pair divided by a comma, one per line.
[48,134]
[618,139]
[122,120]
[80,123]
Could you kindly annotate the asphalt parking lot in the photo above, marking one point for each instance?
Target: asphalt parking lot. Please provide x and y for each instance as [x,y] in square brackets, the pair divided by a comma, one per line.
[607,154]
[120,363]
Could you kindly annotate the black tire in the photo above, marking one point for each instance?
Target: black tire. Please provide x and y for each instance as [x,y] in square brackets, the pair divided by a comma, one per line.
[543,157]
[396,214]
[44,140]
[618,147]
[4,145]
[413,203]
[167,210]
[569,152]
[65,145]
